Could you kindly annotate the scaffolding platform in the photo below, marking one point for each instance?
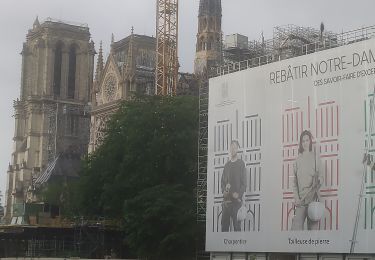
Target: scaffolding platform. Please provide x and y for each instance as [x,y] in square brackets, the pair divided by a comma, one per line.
[83,239]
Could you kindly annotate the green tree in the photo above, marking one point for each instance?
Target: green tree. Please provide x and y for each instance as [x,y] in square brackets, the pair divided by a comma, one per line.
[58,192]
[145,173]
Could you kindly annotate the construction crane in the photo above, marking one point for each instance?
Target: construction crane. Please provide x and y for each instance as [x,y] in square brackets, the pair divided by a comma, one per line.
[166,49]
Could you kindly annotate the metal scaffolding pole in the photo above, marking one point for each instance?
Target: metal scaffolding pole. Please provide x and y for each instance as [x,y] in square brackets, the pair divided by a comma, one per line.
[202,164]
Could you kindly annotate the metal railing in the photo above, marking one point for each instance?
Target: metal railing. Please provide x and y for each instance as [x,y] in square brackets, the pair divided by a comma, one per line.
[54,20]
[344,38]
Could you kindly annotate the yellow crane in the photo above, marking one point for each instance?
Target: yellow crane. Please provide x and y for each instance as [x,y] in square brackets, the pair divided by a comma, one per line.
[166,50]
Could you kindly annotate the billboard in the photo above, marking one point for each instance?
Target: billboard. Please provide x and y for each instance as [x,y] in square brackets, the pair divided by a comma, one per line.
[285,155]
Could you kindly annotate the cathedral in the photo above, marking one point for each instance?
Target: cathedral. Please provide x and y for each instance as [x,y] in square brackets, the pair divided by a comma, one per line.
[51,113]
[66,100]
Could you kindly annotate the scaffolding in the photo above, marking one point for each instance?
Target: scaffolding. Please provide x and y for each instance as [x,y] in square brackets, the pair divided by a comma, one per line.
[288,41]
[239,51]
[89,238]
[82,238]
[84,26]
[291,41]
[202,164]
[202,151]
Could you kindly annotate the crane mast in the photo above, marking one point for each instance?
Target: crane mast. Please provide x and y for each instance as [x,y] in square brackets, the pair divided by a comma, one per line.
[166,49]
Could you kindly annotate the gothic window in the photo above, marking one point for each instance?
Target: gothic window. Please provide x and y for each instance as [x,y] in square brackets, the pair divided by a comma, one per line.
[133,85]
[211,24]
[218,24]
[209,43]
[72,125]
[72,71]
[37,158]
[57,69]
[212,7]
[204,24]
[201,43]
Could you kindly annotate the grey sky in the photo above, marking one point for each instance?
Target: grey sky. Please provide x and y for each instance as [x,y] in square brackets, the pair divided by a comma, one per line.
[248,17]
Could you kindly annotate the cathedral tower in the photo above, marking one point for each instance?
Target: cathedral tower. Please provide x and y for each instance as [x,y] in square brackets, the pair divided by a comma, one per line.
[209,46]
[51,114]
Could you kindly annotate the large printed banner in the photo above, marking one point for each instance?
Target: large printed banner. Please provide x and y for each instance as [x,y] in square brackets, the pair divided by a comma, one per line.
[285,158]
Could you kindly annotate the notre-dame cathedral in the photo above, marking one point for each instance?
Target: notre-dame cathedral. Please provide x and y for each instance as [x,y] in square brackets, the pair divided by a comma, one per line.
[63,107]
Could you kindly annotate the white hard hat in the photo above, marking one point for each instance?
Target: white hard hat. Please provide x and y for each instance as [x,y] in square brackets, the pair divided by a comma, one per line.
[315,210]
[242,213]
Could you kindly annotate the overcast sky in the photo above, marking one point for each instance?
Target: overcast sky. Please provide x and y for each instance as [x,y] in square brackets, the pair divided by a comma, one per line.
[248,17]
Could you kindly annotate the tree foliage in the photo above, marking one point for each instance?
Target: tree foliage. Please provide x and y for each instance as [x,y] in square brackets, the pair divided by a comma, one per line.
[145,173]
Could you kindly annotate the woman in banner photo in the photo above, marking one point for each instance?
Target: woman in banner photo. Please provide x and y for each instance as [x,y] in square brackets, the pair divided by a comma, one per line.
[233,186]
[308,179]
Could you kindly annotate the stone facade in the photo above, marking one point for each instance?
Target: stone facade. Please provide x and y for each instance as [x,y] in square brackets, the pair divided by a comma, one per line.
[129,69]
[56,78]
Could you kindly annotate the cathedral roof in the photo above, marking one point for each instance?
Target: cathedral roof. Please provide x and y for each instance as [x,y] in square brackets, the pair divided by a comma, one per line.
[55,27]
[144,59]
[138,40]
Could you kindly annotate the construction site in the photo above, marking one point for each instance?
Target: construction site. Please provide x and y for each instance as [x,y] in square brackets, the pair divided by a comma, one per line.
[239,53]
[56,126]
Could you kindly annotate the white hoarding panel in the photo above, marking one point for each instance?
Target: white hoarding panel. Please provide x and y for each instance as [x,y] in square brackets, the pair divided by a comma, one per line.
[301,127]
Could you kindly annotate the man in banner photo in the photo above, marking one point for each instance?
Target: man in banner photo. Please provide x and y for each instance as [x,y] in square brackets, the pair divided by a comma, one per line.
[307,181]
[233,186]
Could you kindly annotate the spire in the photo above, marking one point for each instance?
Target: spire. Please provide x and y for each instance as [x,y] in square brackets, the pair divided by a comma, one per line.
[209,37]
[112,42]
[210,15]
[129,66]
[99,64]
[36,23]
